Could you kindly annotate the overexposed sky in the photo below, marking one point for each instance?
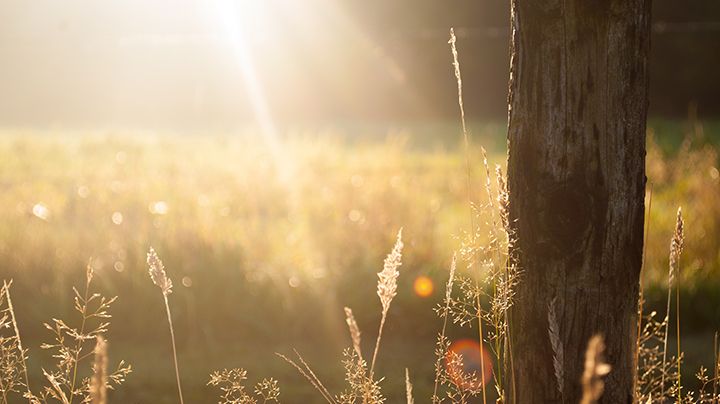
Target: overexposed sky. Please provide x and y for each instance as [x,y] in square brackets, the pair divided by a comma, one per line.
[135,63]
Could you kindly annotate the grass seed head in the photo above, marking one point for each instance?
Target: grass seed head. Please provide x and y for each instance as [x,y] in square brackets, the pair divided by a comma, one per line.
[387,282]
[157,272]
[676,247]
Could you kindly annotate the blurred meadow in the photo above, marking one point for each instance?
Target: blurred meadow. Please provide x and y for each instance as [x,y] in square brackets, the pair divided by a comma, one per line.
[266,246]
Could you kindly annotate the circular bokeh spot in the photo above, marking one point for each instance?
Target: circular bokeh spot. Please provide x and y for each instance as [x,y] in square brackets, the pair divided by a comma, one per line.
[423,286]
[474,360]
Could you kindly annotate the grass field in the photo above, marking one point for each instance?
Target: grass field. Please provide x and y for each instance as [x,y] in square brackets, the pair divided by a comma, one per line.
[266,242]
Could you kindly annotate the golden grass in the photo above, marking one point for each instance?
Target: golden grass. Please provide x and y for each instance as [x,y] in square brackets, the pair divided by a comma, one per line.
[157,273]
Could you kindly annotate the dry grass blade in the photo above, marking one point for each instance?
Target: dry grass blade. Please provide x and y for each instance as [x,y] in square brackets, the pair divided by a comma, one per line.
[595,369]
[556,344]
[310,376]
[99,381]
[56,392]
[354,331]
[387,289]
[160,278]
[408,388]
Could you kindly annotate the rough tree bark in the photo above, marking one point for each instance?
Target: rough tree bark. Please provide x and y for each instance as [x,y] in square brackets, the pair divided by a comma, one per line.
[576,176]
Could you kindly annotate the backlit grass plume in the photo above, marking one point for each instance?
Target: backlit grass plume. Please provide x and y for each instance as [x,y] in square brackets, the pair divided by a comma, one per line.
[387,289]
[160,278]
[157,272]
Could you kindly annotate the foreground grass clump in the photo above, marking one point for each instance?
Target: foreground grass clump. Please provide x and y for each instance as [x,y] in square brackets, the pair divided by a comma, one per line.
[76,376]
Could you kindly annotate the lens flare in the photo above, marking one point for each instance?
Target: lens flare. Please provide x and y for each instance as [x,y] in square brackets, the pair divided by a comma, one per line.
[423,286]
[468,376]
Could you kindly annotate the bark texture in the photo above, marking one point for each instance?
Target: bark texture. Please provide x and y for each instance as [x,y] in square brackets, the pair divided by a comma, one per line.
[576,176]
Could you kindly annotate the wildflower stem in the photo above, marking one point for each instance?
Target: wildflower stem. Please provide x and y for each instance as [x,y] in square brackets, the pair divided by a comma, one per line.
[377,343]
[480,336]
[172,338]
[458,76]
[665,343]
[677,323]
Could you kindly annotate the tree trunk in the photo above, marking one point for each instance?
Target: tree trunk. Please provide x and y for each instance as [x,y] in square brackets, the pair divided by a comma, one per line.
[576,176]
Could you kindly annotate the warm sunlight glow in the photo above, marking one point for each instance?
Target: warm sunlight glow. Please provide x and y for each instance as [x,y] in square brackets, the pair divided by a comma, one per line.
[207,198]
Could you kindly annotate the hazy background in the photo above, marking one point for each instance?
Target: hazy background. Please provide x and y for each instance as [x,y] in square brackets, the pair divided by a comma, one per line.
[194,66]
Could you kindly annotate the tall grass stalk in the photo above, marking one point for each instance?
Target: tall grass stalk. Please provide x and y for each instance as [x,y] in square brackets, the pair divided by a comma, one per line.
[78,346]
[641,298]
[445,314]
[458,77]
[676,246]
[716,365]
[159,278]
[6,291]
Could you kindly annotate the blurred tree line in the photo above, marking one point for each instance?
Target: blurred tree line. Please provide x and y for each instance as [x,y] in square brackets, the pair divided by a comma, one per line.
[685,57]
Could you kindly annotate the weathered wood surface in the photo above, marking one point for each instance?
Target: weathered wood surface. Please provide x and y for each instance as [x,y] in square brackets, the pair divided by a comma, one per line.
[576,169]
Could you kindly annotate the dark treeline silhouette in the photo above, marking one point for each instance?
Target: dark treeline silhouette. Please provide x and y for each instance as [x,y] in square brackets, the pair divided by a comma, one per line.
[685,55]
